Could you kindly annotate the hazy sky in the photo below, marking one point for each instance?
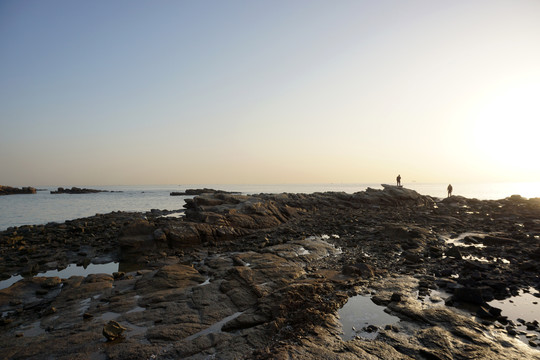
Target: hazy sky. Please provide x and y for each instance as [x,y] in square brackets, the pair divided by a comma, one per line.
[304,91]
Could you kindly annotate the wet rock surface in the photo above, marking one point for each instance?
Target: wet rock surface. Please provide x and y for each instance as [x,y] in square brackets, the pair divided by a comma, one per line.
[263,276]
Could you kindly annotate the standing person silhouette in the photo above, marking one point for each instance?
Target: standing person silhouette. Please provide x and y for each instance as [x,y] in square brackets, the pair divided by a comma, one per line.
[449,188]
[398,179]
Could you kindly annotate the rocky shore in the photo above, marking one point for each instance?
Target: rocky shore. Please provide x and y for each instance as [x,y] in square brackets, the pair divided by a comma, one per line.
[8,190]
[265,276]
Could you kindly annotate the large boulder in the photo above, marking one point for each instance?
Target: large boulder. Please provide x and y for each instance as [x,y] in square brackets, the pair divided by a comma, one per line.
[220,217]
[137,238]
[394,195]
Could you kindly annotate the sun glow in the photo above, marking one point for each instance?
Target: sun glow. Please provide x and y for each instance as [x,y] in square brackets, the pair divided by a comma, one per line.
[507,130]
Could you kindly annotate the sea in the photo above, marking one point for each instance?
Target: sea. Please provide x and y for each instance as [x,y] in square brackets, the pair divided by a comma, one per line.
[44,207]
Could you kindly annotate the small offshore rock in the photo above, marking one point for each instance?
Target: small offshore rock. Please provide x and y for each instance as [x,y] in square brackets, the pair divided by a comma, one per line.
[76,190]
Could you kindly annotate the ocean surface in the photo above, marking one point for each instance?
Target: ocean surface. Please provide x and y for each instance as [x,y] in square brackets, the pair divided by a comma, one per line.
[43,207]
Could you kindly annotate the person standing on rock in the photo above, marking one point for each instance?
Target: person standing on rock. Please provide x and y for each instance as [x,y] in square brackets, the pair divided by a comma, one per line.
[449,188]
[398,179]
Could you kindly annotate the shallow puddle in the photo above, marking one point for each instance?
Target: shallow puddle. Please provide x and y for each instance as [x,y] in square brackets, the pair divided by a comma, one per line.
[175,215]
[326,237]
[71,270]
[459,240]
[79,270]
[33,329]
[8,282]
[135,330]
[215,328]
[485,260]
[85,305]
[109,315]
[136,309]
[524,306]
[434,298]
[358,313]
[521,309]
[206,282]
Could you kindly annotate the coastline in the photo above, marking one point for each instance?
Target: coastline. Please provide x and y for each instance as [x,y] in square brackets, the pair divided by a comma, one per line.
[42,208]
[273,270]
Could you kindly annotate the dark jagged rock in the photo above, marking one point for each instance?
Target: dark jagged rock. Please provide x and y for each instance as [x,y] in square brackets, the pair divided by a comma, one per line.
[394,195]
[8,190]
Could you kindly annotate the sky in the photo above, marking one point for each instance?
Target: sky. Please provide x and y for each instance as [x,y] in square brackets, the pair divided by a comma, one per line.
[268,92]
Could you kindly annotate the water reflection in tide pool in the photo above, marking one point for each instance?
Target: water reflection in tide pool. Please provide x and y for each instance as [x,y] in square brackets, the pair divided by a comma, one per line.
[524,306]
[360,312]
[521,310]
[71,270]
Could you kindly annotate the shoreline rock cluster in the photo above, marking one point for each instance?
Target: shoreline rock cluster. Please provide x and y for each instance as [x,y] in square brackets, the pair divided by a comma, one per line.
[76,190]
[8,190]
[263,277]
[193,192]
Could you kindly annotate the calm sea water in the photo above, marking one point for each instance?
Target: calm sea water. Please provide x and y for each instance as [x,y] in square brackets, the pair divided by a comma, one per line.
[43,207]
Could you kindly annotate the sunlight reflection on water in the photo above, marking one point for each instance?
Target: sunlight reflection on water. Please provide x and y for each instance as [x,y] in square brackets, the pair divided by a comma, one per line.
[359,312]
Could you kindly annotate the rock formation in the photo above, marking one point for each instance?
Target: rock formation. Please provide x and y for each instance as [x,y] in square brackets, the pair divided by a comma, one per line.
[263,277]
[192,192]
[76,190]
[8,190]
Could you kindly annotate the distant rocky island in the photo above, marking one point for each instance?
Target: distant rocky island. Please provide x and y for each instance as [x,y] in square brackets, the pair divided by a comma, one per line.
[264,277]
[8,190]
[76,190]
[192,192]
